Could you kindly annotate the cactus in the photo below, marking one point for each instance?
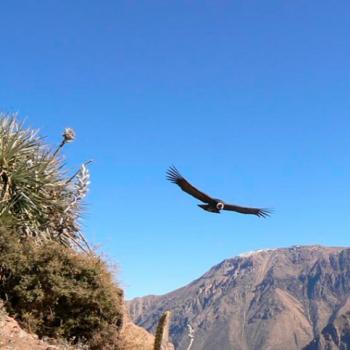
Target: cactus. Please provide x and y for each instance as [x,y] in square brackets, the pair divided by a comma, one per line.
[162,334]
[36,199]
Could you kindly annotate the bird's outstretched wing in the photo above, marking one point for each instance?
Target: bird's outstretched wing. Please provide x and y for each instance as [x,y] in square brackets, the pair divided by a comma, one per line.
[174,176]
[244,210]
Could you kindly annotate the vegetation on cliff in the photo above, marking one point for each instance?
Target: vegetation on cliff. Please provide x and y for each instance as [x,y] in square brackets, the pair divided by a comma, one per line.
[50,280]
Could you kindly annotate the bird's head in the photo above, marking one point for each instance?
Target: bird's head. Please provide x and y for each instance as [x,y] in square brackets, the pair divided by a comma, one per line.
[220,206]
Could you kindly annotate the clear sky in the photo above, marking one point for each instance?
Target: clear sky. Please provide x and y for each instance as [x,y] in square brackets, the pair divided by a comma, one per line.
[250,99]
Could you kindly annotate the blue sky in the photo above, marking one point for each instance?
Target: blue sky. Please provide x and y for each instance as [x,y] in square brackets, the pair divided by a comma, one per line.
[249,99]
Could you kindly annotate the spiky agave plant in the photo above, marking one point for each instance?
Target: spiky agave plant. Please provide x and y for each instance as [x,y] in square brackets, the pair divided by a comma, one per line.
[35,197]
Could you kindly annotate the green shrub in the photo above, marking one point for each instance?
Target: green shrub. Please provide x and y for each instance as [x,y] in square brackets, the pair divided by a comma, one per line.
[37,199]
[55,291]
[50,288]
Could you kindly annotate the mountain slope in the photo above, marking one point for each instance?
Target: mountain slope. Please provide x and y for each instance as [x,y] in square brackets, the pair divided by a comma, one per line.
[335,335]
[269,299]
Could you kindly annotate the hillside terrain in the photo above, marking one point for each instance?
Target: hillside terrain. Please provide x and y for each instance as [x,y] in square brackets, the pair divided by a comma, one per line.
[14,337]
[286,298]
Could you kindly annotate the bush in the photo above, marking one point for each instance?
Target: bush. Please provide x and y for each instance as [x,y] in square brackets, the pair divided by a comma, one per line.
[55,291]
[37,199]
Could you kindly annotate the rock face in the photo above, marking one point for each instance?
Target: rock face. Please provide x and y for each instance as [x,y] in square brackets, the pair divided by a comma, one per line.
[271,300]
[335,335]
[13,337]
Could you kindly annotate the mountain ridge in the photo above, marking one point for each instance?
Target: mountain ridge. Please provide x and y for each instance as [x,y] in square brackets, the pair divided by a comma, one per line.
[251,300]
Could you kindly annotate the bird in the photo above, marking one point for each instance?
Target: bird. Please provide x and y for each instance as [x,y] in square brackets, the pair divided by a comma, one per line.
[212,205]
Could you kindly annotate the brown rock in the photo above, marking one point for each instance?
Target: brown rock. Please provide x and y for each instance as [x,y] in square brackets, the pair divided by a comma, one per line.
[137,338]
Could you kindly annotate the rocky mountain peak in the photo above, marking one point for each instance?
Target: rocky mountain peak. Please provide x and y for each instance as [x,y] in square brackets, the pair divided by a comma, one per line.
[267,299]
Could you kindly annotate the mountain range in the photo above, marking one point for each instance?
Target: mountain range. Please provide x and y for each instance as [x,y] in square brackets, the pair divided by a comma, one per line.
[290,298]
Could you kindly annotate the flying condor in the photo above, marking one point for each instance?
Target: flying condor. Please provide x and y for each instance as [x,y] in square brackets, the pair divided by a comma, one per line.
[212,205]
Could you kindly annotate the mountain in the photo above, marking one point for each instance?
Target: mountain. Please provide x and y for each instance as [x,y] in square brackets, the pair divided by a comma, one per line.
[270,299]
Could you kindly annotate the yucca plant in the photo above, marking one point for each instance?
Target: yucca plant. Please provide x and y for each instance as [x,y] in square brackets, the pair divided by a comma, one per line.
[37,199]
